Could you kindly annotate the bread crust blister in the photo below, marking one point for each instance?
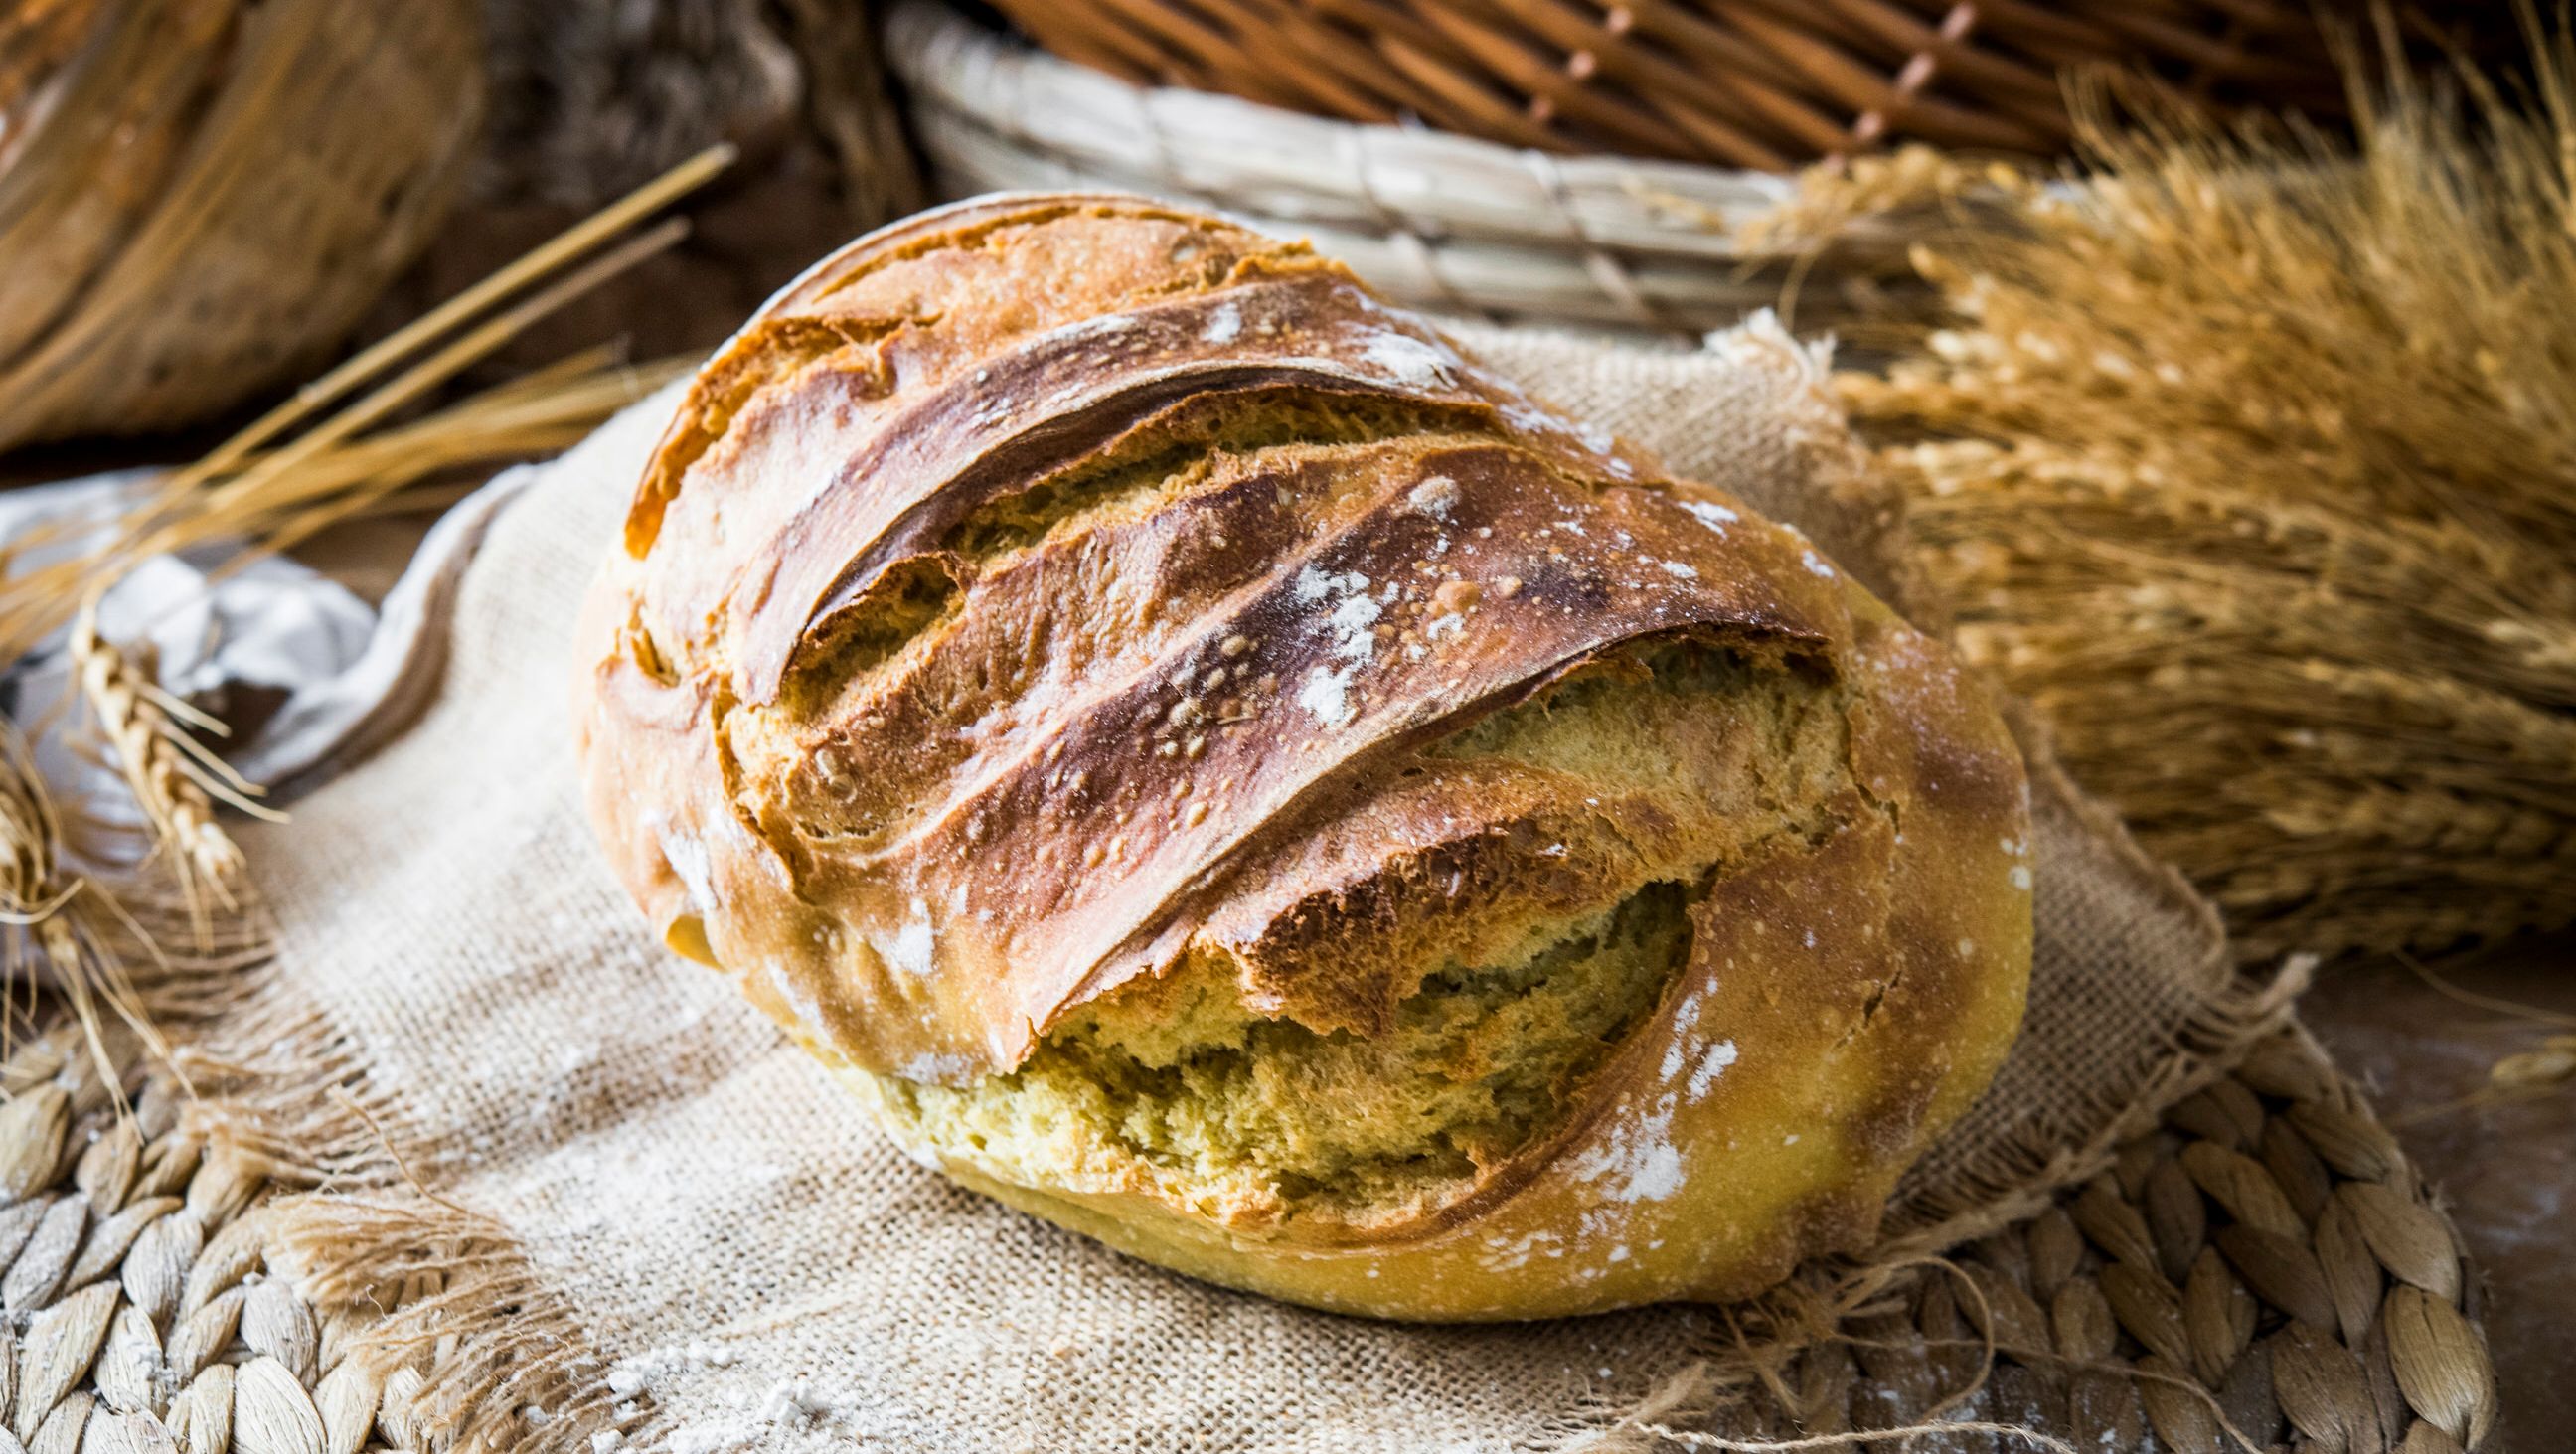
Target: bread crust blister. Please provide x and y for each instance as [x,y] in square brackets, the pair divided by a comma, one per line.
[1213,766]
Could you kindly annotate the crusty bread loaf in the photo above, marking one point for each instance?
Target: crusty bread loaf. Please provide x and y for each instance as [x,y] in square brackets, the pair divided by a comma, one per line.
[1214,767]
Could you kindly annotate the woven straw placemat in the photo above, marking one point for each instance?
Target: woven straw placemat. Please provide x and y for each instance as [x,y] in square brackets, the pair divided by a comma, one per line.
[2264,1259]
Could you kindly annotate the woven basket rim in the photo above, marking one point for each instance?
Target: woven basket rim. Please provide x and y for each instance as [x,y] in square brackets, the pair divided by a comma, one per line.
[1450,223]
[1302,168]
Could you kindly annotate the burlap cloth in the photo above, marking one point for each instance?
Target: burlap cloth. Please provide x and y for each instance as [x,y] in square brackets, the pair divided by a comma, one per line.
[623,1198]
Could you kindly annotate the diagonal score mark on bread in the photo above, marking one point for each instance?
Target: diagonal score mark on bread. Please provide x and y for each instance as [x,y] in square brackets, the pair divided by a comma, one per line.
[1212,765]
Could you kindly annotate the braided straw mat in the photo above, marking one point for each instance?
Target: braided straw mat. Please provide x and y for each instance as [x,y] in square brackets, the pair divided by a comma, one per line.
[533,1183]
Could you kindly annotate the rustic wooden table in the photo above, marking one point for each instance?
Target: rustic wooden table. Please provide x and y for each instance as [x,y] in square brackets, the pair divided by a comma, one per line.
[2507,1170]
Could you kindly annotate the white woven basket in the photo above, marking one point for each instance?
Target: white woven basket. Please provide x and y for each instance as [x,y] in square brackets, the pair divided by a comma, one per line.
[1437,220]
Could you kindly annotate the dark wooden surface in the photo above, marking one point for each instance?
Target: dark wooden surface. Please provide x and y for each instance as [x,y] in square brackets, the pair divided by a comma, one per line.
[2507,1172]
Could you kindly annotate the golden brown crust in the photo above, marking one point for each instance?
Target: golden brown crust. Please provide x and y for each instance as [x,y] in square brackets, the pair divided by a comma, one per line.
[944,686]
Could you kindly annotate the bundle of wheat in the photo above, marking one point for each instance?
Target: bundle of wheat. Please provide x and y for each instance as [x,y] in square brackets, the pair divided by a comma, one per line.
[2253,461]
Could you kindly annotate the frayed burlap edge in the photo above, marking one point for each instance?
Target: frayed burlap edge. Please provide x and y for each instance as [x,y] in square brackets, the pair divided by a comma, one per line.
[512,1366]
[1753,1342]
[1869,515]
[2009,1182]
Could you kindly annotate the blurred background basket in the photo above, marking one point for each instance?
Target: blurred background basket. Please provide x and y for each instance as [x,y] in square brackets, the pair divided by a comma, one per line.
[1768,84]
[198,200]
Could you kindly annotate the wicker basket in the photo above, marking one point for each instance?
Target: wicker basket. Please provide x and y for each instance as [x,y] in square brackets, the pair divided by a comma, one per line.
[1744,83]
[1440,221]
[197,199]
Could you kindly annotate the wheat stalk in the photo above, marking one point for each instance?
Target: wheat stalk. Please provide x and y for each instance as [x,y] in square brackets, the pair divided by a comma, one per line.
[63,930]
[152,738]
[182,914]
[1833,197]
[174,779]
[2253,461]
[308,463]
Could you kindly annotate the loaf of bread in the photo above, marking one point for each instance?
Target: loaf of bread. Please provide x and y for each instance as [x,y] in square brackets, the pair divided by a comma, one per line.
[1214,767]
